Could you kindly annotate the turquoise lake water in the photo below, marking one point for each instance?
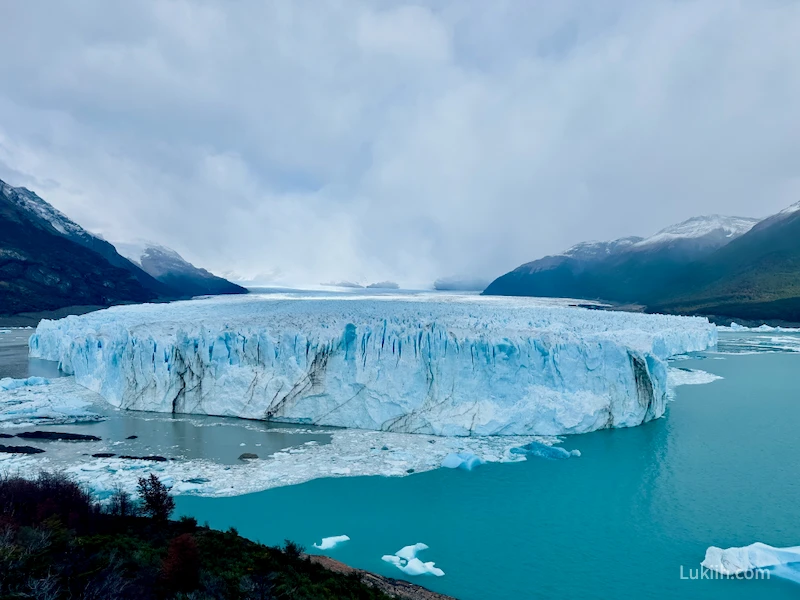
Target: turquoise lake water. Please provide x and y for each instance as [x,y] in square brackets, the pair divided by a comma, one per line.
[619,522]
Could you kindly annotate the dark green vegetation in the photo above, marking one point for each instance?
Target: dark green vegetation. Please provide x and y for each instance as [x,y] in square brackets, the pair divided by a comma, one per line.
[48,262]
[754,277]
[57,542]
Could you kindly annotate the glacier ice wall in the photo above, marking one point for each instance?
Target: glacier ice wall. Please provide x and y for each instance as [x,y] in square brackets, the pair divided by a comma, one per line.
[438,365]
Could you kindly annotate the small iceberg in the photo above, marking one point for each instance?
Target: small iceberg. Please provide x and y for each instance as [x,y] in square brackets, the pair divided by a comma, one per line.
[782,562]
[462,460]
[679,376]
[406,560]
[544,451]
[329,543]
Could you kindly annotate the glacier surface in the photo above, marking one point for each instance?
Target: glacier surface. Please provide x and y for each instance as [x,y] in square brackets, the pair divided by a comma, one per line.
[431,364]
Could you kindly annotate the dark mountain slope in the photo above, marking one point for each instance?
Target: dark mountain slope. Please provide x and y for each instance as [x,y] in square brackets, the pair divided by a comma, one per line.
[756,276]
[42,269]
[171,269]
[628,270]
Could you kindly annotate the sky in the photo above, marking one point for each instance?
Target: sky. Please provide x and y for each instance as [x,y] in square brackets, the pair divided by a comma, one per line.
[304,141]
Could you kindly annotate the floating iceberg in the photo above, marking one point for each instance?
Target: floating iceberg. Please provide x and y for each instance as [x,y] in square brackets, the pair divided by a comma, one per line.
[462,460]
[446,365]
[406,560]
[679,376]
[544,451]
[782,562]
[329,543]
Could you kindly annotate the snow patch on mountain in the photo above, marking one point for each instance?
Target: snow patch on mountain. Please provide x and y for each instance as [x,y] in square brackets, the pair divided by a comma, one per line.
[698,227]
[35,205]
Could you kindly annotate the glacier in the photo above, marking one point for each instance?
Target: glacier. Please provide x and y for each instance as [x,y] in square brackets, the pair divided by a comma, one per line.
[432,364]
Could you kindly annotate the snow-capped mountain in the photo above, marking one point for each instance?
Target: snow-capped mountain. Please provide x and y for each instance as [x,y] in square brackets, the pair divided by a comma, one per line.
[630,269]
[48,261]
[170,268]
[713,265]
[714,230]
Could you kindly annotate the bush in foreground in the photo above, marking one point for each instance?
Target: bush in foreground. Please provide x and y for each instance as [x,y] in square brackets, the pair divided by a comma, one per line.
[57,543]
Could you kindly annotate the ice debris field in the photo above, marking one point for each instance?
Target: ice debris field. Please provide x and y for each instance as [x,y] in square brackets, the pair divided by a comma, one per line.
[439,365]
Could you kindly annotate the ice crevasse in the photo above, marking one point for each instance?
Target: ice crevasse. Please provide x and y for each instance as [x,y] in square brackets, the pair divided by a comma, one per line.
[451,366]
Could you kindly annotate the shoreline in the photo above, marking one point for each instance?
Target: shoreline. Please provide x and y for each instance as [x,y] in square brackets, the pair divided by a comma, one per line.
[396,588]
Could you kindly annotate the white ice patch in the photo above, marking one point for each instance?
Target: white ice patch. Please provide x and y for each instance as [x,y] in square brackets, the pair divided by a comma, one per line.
[679,376]
[437,364]
[760,328]
[406,560]
[782,562]
[38,401]
[7,383]
[329,543]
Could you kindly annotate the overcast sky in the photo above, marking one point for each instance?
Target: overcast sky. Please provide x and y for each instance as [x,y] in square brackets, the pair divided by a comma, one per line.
[324,140]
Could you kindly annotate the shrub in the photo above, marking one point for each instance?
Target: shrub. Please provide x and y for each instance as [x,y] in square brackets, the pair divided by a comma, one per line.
[181,567]
[121,504]
[157,503]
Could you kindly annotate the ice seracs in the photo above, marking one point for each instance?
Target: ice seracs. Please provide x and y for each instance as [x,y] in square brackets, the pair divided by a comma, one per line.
[443,365]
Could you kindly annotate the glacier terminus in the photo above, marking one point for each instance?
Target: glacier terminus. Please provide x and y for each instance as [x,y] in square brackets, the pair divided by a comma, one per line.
[433,364]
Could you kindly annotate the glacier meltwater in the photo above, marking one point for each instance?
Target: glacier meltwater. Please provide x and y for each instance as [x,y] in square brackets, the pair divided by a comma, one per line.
[442,365]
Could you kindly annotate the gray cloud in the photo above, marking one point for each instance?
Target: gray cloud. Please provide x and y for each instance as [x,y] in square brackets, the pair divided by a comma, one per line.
[387,140]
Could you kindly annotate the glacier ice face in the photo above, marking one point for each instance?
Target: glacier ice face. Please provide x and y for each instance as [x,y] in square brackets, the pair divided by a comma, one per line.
[442,365]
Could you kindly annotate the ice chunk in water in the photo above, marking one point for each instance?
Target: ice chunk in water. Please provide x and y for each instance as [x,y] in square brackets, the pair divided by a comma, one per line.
[406,560]
[329,543]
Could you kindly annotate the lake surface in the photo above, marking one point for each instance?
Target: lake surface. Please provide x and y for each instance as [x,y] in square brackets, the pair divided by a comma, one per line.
[619,522]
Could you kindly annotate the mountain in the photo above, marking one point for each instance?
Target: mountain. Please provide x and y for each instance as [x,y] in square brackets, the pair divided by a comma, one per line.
[47,261]
[755,277]
[460,284]
[628,270]
[171,269]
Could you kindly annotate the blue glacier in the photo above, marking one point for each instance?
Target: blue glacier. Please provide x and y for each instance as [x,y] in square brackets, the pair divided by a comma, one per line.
[441,365]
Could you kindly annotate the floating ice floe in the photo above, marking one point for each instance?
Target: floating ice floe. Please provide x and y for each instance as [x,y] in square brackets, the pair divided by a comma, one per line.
[462,460]
[406,560]
[679,376]
[442,365]
[350,453]
[38,401]
[7,383]
[330,543]
[545,451]
[781,562]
